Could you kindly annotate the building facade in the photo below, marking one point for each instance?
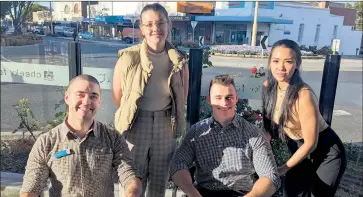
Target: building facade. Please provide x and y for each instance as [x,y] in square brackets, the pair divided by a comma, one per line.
[313,26]
[316,23]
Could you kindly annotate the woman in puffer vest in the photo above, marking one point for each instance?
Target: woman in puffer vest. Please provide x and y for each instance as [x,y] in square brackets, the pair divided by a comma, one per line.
[150,86]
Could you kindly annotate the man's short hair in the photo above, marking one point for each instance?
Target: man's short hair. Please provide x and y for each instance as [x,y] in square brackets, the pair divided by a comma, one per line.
[222,80]
[84,77]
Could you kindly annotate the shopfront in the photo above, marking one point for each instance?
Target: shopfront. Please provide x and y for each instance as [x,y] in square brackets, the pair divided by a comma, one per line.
[182,29]
[231,33]
[238,29]
[180,25]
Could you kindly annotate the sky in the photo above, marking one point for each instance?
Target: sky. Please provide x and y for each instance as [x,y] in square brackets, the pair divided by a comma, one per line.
[43,3]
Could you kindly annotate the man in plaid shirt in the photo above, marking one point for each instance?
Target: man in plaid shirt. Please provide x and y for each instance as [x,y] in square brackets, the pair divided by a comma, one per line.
[227,151]
[80,155]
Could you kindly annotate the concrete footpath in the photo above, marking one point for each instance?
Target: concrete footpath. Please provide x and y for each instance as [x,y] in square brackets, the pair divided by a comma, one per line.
[11,185]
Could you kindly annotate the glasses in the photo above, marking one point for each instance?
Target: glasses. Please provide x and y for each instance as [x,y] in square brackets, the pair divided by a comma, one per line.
[157,24]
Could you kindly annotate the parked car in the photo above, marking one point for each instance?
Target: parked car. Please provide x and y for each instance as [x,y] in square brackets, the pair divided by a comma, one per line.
[128,34]
[85,35]
[38,30]
[68,32]
[10,30]
[59,30]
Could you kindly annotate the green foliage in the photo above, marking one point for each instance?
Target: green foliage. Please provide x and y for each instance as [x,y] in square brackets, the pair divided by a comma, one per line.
[205,60]
[27,118]
[18,11]
[348,5]
[35,8]
[359,21]
[59,116]
[20,40]
[14,154]
[325,50]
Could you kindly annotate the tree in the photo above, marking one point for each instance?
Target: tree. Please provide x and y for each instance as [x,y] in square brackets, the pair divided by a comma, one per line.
[18,11]
[348,5]
[102,11]
[359,21]
[35,8]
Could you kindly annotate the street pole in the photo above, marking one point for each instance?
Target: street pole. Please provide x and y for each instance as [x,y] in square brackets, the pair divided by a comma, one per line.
[89,16]
[193,35]
[254,28]
[133,28]
[112,8]
[51,17]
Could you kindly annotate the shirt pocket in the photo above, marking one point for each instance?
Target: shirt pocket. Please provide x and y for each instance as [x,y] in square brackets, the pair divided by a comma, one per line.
[62,167]
[102,166]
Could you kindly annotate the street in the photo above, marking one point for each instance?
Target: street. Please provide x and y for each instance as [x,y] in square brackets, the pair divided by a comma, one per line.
[347,119]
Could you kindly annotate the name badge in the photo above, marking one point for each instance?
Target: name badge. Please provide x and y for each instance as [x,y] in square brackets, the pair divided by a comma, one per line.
[62,153]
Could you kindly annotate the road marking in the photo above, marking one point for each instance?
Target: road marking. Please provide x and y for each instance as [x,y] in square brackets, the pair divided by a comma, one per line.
[341,113]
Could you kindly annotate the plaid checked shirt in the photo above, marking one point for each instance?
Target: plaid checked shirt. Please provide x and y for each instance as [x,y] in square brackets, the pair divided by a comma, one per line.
[88,171]
[226,158]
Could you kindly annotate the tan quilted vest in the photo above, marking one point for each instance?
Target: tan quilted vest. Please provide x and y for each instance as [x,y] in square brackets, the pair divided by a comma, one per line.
[136,70]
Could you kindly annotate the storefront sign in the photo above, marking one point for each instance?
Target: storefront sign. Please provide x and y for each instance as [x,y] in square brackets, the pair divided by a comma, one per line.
[247,87]
[265,5]
[235,4]
[14,72]
[100,19]
[88,19]
[42,74]
[180,18]
[195,7]
[114,19]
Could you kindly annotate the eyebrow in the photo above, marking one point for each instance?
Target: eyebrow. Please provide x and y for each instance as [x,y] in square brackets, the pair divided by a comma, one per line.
[285,59]
[224,96]
[93,93]
[156,21]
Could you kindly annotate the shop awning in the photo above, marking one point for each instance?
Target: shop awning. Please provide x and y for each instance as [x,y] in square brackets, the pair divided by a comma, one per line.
[243,19]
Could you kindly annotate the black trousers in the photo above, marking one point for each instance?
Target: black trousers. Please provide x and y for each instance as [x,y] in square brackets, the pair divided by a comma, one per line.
[319,175]
[219,193]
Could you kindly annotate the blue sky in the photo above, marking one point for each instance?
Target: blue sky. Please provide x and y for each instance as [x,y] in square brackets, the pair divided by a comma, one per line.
[43,3]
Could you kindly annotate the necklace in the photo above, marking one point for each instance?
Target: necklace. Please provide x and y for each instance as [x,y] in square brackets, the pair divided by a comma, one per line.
[281,94]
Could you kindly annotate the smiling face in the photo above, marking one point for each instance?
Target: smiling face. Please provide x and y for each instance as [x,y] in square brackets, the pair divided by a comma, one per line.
[282,64]
[223,99]
[154,27]
[83,100]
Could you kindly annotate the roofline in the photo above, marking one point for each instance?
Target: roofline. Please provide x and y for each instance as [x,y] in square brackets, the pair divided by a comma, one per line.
[243,19]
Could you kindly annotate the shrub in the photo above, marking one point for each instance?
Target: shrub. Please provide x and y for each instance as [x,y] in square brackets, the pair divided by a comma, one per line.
[325,50]
[20,40]
[15,153]
[190,44]
[238,49]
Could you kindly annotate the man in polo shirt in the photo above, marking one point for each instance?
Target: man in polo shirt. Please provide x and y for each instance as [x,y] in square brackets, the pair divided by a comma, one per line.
[80,155]
[227,151]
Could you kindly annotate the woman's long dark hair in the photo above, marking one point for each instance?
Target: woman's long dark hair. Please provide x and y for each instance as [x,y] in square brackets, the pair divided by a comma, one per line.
[292,92]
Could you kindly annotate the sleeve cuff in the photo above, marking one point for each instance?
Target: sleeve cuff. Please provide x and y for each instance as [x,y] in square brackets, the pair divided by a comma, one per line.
[126,178]
[276,181]
[176,167]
